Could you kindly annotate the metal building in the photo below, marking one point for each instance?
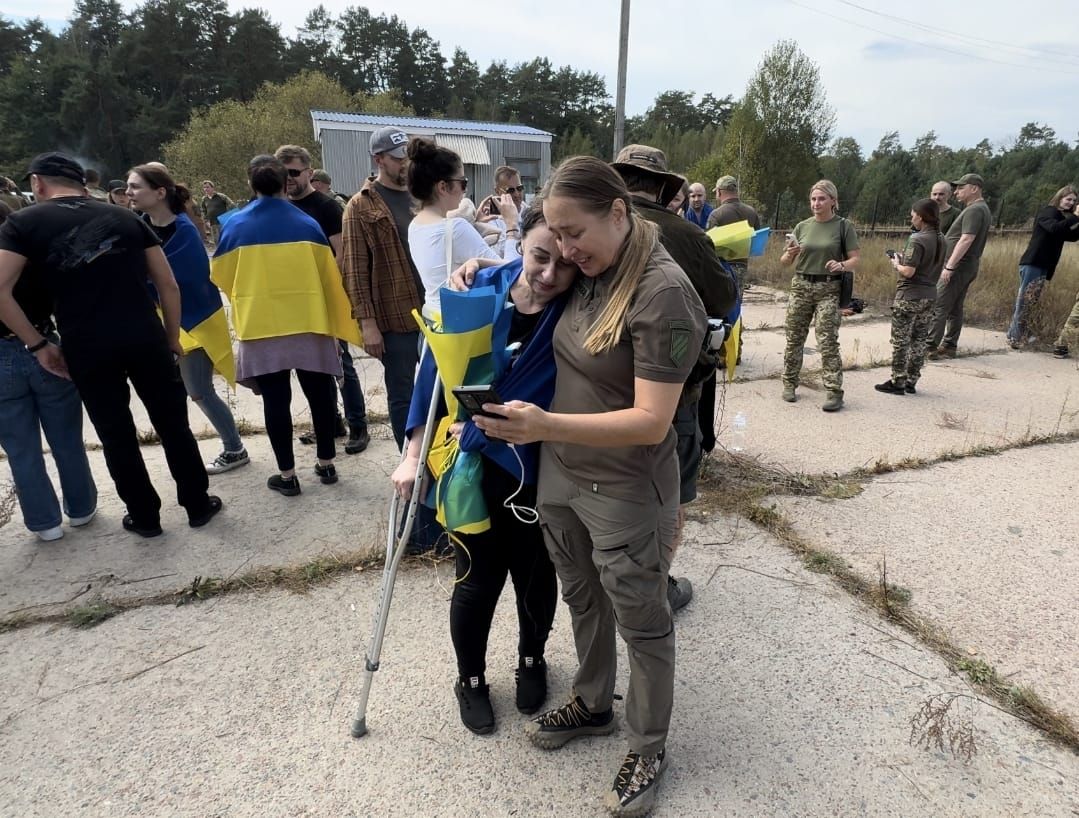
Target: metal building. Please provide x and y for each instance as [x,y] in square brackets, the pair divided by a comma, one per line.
[482,146]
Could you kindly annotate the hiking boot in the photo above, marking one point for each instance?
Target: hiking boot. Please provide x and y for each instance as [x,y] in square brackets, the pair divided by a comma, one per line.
[288,486]
[788,394]
[327,474]
[308,438]
[833,403]
[555,728]
[940,353]
[213,505]
[227,461]
[679,592]
[358,438]
[474,700]
[890,387]
[634,790]
[531,684]
[146,531]
[909,389]
[1060,351]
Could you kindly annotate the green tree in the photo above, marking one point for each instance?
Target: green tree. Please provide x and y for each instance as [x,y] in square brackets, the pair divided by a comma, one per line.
[780,126]
[256,54]
[463,80]
[843,165]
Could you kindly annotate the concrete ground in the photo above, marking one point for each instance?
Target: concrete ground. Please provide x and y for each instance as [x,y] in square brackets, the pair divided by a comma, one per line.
[792,697]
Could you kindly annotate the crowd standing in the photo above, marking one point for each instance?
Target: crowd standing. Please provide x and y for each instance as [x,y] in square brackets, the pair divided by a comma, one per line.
[606,406]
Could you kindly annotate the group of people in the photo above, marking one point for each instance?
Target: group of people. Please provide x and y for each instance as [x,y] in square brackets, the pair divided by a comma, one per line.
[587,461]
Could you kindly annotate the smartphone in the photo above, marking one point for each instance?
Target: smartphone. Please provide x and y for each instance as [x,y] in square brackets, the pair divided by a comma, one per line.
[891,253]
[791,240]
[492,207]
[473,397]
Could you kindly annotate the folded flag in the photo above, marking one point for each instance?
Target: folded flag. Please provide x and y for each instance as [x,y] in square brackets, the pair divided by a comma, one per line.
[732,241]
[278,271]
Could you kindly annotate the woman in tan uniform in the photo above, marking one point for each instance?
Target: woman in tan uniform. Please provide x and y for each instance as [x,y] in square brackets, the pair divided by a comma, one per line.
[608,483]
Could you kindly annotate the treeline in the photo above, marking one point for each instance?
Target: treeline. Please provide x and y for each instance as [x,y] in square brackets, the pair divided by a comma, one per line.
[116,88]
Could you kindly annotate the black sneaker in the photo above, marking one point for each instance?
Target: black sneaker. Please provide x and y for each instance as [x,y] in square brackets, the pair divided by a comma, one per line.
[146,531]
[327,474]
[358,438]
[474,699]
[531,684]
[289,487]
[890,387]
[679,592]
[213,505]
[909,389]
[1060,351]
[555,728]
[634,790]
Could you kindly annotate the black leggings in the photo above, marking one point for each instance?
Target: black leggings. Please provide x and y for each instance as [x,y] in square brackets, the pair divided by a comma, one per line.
[508,547]
[321,392]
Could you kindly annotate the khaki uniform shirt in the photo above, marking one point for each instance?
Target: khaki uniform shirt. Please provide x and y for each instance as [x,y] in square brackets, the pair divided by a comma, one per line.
[663,335]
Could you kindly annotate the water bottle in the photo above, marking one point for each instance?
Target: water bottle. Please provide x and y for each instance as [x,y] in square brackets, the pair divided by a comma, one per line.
[738,433]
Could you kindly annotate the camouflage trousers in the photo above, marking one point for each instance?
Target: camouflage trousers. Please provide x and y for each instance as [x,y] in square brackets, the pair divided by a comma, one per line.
[813,301]
[911,320]
[741,271]
[1071,326]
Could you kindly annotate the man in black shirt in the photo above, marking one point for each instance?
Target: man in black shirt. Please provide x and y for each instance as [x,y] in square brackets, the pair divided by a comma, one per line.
[95,259]
[327,212]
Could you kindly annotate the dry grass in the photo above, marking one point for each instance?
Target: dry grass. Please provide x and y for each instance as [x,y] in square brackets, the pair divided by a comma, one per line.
[991,298]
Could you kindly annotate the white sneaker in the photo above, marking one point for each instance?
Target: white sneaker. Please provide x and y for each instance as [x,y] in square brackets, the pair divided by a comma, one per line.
[51,534]
[78,521]
[227,461]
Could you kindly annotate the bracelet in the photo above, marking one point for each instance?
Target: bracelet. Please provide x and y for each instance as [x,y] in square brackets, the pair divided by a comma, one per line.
[39,345]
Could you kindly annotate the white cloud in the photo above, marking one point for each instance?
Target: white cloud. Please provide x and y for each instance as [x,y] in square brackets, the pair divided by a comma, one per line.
[896,76]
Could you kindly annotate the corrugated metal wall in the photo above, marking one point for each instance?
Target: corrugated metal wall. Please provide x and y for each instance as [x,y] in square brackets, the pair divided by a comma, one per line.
[346,157]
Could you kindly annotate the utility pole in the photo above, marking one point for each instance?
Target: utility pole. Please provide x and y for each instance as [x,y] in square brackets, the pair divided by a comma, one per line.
[620,92]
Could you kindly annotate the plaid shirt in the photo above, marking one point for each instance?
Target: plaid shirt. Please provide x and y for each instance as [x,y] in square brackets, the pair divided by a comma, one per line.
[377,274]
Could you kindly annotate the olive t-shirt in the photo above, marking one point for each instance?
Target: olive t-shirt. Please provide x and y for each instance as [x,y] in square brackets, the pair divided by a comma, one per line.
[975,219]
[925,253]
[947,217]
[664,329]
[821,242]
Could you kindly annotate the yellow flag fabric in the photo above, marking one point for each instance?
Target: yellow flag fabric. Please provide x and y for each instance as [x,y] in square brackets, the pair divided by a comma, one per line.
[730,349]
[732,241]
[212,336]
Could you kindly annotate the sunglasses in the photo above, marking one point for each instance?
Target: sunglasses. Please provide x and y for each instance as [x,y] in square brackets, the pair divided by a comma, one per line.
[518,189]
[462,180]
[295,173]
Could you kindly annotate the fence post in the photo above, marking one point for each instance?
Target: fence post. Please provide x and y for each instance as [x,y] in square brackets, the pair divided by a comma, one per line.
[873,220]
[1000,213]
[775,220]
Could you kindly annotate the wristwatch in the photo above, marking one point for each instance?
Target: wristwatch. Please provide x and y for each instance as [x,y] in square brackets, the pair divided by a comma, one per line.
[39,345]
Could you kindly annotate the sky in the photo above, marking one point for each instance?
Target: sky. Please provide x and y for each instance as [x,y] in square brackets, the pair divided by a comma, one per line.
[967,70]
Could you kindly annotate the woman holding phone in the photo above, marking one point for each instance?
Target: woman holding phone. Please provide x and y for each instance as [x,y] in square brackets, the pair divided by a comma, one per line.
[821,248]
[513,545]
[608,484]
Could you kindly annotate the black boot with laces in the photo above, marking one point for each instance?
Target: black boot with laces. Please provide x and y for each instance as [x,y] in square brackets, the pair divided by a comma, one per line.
[531,684]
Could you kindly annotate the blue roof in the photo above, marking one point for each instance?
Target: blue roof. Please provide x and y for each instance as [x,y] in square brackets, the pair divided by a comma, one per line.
[404,122]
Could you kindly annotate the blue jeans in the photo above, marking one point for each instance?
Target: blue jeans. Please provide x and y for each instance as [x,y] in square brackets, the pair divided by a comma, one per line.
[197,370]
[400,357]
[351,393]
[1031,286]
[32,400]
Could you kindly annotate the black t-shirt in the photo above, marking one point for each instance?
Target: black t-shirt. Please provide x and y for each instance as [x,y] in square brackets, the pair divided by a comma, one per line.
[164,232]
[323,210]
[32,294]
[91,257]
[522,325]
[400,204]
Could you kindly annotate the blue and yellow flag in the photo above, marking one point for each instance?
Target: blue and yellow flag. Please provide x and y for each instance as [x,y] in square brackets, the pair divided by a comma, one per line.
[202,312]
[278,271]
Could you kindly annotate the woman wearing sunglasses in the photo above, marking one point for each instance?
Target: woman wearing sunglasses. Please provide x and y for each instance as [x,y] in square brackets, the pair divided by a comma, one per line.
[436,180]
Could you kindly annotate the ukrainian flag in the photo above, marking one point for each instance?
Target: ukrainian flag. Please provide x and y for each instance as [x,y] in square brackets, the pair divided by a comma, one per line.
[203,324]
[278,271]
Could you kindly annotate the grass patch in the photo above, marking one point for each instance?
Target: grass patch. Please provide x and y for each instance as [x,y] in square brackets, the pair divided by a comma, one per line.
[91,614]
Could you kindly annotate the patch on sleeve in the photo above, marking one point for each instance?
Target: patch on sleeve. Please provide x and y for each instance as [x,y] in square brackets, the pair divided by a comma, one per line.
[681,332]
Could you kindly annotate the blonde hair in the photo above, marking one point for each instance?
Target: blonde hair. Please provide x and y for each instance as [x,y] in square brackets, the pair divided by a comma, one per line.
[828,188]
[595,186]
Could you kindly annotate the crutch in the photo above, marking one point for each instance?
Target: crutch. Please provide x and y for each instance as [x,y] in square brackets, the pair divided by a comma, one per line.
[395,548]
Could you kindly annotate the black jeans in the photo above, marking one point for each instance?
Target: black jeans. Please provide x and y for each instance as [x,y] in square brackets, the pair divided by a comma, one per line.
[320,390]
[508,547]
[101,376]
[706,413]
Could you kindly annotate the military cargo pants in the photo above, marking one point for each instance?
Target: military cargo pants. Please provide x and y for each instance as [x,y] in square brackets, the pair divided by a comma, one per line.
[613,570]
[1071,326]
[910,327]
[948,312]
[811,301]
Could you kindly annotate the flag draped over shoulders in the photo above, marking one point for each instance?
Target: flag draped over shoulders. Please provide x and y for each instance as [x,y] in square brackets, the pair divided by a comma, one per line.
[203,323]
[278,271]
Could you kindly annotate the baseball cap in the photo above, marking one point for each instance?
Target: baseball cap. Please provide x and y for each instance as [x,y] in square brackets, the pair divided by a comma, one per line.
[56,164]
[117,184]
[727,183]
[652,161]
[969,179]
[321,176]
[389,140]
